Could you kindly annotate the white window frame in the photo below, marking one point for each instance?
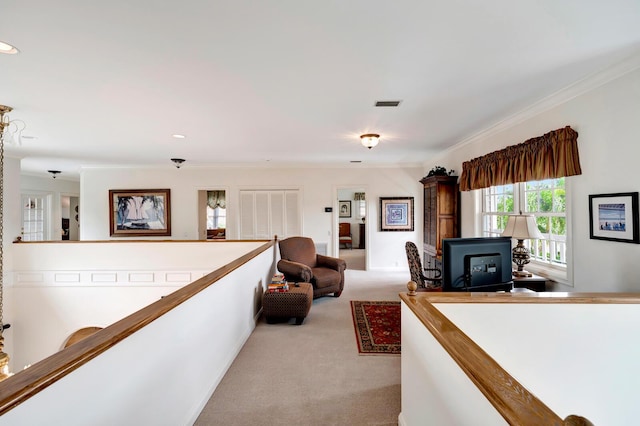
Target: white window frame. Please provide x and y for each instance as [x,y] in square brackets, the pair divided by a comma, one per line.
[556,272]
[214,217]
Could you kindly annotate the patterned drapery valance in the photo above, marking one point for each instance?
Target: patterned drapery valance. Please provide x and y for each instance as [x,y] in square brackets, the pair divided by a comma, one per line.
[552,155]
[216,199]
[358,196]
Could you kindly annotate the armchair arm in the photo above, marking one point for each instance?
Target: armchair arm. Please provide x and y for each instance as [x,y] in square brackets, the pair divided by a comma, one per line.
[295,271]
[331,262]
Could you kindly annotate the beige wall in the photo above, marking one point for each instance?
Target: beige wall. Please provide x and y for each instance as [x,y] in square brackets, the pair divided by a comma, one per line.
[318,186]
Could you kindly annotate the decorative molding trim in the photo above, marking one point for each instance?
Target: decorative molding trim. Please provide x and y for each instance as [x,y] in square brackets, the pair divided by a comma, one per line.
[104,278]
[580,87]
[143,277]
[110,277]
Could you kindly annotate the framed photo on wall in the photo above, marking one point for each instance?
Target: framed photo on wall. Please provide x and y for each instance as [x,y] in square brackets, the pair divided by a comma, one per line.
[614,217]
[396,213]
[344,207]
[139,212]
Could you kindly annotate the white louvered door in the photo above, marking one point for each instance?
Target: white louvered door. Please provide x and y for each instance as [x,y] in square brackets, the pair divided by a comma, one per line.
[266,213]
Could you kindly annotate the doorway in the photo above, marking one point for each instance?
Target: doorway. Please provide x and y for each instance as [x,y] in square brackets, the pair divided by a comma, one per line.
[352,213]
[212,214]
[70,215]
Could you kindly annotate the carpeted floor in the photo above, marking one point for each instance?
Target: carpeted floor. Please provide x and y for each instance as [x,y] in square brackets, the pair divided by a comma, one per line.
[312,374]
[355,258]
[377,327]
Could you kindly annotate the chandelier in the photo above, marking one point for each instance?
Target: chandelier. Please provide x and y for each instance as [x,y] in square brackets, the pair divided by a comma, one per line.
[4,126]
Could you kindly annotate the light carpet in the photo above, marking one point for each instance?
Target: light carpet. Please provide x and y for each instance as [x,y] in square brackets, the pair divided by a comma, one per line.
[312,374]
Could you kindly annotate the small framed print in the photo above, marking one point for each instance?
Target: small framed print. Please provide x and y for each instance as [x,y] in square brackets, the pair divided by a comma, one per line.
[344,207]
[396,213]
[614,217]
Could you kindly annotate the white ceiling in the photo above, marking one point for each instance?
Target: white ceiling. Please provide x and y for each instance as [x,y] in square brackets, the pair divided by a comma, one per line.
[288,81]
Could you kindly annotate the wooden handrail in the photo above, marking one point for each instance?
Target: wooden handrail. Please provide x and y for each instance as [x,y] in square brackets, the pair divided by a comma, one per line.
[511,399]
[26,383]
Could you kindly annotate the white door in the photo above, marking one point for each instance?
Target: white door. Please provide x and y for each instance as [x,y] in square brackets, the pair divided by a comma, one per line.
[35,217]
[267,213]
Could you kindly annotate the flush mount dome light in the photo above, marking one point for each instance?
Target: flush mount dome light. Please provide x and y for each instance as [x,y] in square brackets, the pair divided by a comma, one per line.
[7,48]
[369,140]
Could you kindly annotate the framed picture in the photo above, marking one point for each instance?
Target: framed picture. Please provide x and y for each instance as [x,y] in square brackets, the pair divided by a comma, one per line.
[139,212]
[344,207]
[396,213]
[614,217]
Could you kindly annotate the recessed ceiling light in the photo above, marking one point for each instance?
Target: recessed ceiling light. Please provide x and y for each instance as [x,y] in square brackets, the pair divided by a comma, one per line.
[7,48]
[177,136]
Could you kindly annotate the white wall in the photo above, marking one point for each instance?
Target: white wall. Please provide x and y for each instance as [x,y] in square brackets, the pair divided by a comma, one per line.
[607,121]
[318,187]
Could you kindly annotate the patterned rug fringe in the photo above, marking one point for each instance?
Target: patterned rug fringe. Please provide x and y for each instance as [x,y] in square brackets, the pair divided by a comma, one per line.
[377,327]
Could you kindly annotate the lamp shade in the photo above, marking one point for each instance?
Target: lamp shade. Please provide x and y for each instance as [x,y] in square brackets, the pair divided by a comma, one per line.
[521,227]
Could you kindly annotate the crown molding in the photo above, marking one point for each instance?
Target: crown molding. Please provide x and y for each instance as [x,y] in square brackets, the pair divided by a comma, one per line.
[582,86]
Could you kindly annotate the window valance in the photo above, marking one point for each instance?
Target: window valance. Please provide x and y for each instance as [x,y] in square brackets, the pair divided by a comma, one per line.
[359,196]
[216,199]
[552,155]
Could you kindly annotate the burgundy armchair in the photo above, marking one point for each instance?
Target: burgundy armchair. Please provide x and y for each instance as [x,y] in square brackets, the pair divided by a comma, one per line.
[299,262]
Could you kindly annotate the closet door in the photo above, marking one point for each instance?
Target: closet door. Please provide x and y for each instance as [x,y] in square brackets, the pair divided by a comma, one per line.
[247,215]
[262,215]
[265,214]
[293,214]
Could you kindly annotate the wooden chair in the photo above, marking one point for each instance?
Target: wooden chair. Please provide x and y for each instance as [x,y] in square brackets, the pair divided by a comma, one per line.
[433,283]
[345,235]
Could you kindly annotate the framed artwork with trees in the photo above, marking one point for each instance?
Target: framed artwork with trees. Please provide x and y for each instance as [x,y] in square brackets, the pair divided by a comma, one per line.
[139,212]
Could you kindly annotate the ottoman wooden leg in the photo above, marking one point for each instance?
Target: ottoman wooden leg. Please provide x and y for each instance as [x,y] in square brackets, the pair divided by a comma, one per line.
[299,320]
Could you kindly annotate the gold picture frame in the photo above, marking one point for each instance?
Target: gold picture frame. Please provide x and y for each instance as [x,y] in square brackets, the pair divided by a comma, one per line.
[140,212]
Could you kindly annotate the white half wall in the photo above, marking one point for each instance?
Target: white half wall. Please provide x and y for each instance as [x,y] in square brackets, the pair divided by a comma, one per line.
[575,358]
[164,373]
[55,289]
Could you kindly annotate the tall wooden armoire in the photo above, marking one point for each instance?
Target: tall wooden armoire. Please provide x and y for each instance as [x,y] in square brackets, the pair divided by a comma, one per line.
[441,216]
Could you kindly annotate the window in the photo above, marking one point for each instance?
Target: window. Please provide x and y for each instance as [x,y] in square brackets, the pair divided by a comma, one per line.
[361,206]
[547,201]
[216,218]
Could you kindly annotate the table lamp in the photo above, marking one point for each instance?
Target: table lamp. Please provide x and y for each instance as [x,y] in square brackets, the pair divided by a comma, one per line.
[521,227]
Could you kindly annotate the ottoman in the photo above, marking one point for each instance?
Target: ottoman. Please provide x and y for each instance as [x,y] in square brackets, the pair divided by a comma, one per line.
[293,303]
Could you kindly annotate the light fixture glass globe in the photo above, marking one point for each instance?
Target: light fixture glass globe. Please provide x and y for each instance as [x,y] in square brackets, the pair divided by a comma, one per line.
[369,140]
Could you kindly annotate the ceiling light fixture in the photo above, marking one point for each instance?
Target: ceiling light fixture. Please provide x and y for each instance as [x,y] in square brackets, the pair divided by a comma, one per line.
[54,173]
[7,48]
[4,125]
[11,130]
[369,140]
[178,136]
[178,162]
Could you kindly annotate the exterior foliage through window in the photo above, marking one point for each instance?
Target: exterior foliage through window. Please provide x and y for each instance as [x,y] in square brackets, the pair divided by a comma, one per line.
[546,200]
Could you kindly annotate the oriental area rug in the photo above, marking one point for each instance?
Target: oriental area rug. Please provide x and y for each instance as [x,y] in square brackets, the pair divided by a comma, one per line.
[377,326]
